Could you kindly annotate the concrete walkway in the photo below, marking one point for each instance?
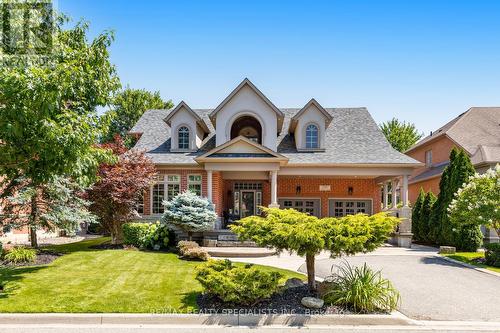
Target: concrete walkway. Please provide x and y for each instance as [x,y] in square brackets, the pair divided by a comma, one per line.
[431,287]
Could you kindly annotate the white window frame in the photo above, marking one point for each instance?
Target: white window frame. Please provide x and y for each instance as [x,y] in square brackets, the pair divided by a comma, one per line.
[197,182]
[188,137]
[172,182]
[318,137]
[157,182]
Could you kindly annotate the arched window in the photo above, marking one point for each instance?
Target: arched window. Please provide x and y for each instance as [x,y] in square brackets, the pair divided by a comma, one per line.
[183,138]
[312,137]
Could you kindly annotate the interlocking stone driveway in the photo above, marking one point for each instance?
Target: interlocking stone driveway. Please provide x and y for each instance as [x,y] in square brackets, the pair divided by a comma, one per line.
[431,288]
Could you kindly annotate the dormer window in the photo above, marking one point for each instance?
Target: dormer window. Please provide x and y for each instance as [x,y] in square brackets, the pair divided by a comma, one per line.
[183,137]
[312,137]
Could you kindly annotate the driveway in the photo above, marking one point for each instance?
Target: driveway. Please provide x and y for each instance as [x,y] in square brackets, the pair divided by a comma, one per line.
[431,288]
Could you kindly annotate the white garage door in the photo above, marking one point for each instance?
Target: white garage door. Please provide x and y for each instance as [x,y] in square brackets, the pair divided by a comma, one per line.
[343,207]
[310,206]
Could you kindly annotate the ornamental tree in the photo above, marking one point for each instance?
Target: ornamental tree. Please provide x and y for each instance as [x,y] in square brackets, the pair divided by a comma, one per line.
[478,201]
[59,205]
[114,197]
[306,235]
[401,135]
[416,217]
[454,176]
[48,119]
[190,213]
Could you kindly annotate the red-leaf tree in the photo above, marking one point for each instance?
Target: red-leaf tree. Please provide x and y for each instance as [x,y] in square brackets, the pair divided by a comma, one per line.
[115,196]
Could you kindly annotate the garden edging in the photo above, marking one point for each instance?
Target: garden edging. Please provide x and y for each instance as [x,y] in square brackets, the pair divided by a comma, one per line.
[395,318]
[479,269]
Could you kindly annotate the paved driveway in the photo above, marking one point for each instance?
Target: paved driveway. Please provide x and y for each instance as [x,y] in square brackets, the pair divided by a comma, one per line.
[431,288]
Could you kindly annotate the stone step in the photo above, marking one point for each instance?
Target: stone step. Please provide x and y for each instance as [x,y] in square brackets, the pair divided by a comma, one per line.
[239,252]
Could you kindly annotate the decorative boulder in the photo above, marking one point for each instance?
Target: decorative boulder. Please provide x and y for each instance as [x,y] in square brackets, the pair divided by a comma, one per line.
[447,249]
[312,302]
[294,283]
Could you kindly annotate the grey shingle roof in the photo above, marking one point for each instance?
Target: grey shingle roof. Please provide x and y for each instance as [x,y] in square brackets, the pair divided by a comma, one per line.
[352,137]
[435,170]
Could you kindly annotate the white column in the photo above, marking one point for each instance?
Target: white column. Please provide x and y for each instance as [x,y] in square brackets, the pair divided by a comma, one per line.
[209,185]
[404,193]
[393,190]
[274,189]
[386,195]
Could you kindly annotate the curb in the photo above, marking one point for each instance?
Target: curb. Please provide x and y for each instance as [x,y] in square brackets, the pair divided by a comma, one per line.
[479,269]
[394,318]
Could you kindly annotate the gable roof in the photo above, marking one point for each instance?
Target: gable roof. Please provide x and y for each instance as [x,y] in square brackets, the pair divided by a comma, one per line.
[247,82]
[352,138]
[181,105]
[257,152]
[477,126]
[295,118]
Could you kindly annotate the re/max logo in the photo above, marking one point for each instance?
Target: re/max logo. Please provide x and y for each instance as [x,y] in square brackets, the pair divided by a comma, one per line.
[26,27]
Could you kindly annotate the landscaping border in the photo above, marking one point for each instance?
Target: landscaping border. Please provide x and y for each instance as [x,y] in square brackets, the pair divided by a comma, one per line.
[395,318]
[479,269]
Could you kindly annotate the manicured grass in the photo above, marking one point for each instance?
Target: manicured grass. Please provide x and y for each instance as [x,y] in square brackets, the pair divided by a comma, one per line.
[88,280]
[468,257]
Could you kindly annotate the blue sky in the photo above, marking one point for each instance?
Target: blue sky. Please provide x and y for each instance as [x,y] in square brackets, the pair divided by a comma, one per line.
[420,61]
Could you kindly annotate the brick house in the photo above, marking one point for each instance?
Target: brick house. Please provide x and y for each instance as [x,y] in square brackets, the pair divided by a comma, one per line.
[477,131]
[248,153]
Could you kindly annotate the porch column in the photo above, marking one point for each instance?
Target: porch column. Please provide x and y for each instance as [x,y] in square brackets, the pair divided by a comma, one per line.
[386,195]
[209,185]
[404,193]
[274,189]
[394,184]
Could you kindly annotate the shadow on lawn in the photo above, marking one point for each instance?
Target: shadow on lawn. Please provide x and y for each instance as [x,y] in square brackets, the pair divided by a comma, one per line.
[188,300]
[14,274]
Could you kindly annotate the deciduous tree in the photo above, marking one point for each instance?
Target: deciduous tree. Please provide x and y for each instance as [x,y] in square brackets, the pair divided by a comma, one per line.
[401,135]
[114,197]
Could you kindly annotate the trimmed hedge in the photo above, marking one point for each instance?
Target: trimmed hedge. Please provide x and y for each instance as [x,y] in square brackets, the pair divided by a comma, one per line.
[191,250]
[468,238]
[134,232]
[492,254]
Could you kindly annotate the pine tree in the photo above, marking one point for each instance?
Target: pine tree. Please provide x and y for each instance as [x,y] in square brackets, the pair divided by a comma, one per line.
[416,220]
[425,214]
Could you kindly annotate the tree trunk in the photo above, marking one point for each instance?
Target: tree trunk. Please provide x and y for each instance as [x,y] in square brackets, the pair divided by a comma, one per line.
[190,236]
[311,278]
[116,234]
[34,220]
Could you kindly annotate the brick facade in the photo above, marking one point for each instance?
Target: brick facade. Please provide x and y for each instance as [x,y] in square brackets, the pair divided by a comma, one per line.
[287,188]
[441,148]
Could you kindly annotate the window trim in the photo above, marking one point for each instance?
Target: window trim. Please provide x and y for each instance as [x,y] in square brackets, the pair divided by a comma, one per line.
[303,145]
[178,132]
[428,164]
[167,182]
[195,183]
[151,193]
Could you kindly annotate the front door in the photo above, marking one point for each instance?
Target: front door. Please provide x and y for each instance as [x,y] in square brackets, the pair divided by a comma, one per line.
[247,206]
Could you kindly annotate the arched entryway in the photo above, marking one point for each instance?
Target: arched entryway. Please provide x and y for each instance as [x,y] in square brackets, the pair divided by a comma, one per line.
[248,127]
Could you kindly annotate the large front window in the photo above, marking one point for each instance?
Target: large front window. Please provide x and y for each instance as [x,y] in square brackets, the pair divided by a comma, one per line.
[183,138]
[158,195]
[312,137]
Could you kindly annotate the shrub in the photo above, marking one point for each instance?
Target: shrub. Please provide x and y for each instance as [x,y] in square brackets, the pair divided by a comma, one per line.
[134,232]
[18,255]
[469,238]
[186,245]
[157,236]
[245,285]
[492,254]
[196,253]
[361,289]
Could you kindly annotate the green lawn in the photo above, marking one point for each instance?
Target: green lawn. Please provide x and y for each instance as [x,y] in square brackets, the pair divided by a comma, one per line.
[87,280]
[467,257]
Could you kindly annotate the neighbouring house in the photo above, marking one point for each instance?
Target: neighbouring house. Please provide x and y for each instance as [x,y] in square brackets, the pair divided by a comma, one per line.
[477,131]
[247,153]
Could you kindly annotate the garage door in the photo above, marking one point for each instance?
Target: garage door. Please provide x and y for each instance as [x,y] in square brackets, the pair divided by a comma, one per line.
[310,206]
[342,207]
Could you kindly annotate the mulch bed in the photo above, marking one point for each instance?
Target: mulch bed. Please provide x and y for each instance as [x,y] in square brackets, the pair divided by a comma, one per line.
[43,257]
[285,302]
